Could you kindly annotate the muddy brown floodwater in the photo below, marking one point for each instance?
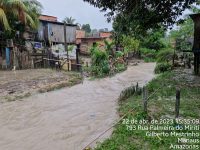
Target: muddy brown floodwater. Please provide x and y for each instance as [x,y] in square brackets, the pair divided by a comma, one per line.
[67,119]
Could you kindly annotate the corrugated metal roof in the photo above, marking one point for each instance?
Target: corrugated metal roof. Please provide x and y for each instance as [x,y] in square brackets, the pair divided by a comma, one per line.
[59,23]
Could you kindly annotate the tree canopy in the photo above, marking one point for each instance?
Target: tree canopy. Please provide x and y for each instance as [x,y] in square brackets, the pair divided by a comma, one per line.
[19,12]
[141,15]
[86,28]
[183,33]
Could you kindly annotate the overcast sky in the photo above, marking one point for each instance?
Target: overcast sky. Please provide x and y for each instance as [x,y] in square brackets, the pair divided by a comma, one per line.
[79,10]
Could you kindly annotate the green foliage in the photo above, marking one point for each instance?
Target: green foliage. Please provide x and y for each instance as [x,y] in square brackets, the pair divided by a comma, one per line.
[125,94]
[86,28]
[19,12]
[152,40]
[163,58]
[93,48]
[163,67]
[130,44]
[130,91]
[139,16]
[105,61]
[147,60]
[160,106]
[100,62]
[16,15]
[109,47]
[148,52]
[70,47]
[181,35]
[100,70]
[119,67]
[149,55]
[69,20]
[34,9]
[184,32]
[119,54]
[166,55]
[98,56]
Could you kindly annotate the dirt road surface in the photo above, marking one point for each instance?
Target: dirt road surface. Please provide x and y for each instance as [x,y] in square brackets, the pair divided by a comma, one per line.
[67,119]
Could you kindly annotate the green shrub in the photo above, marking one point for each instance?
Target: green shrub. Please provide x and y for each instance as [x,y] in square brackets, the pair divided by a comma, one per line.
[126,93]
[119,54]
[153,39]
[105,62]
[105,67]
[162,67]
[100,62]
[70,47]
[109,47]
[99,56]
[146,59]
[165,55]
[130,44]
[120,67]
[149,55]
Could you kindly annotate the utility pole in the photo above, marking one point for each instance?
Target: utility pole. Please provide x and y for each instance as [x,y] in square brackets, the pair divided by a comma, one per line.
[77,57]
[66,46]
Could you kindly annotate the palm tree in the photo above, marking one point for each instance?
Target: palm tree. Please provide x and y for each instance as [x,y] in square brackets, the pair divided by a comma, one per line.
[18,11]
[33,11]
[69,20]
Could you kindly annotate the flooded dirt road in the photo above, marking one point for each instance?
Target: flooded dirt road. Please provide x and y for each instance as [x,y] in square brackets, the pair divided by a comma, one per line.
[67,119]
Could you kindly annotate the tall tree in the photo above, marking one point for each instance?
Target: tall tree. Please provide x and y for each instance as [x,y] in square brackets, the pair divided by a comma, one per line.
[21,11]
[34,9]
[153,39]
[141,15]
[185,29]
[183,33]
[86,28]
[69,20]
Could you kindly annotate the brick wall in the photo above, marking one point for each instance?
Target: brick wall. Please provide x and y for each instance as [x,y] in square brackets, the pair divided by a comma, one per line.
[105,34]
[48,18]
[80,34]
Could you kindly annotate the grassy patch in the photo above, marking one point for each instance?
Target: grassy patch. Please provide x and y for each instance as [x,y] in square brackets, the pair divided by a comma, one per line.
[59,85]
[149,55]
[17,97]
[160,106]
[119,68]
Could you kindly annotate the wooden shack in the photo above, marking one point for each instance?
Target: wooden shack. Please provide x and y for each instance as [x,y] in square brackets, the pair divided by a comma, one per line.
[37,44]
[53,32]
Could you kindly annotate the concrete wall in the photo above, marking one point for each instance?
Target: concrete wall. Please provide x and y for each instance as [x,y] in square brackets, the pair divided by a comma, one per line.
[87,43]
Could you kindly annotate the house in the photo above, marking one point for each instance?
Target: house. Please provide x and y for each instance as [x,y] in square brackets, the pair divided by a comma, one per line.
[105,34]
[48,18]
[87,42]
[48,36]
[79,35]
[52,31]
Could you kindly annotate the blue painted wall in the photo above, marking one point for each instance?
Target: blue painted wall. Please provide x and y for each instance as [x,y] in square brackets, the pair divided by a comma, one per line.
[7,56]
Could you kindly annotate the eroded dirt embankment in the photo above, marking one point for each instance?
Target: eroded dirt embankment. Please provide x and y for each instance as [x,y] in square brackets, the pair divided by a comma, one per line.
[15,85]
[67,119]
